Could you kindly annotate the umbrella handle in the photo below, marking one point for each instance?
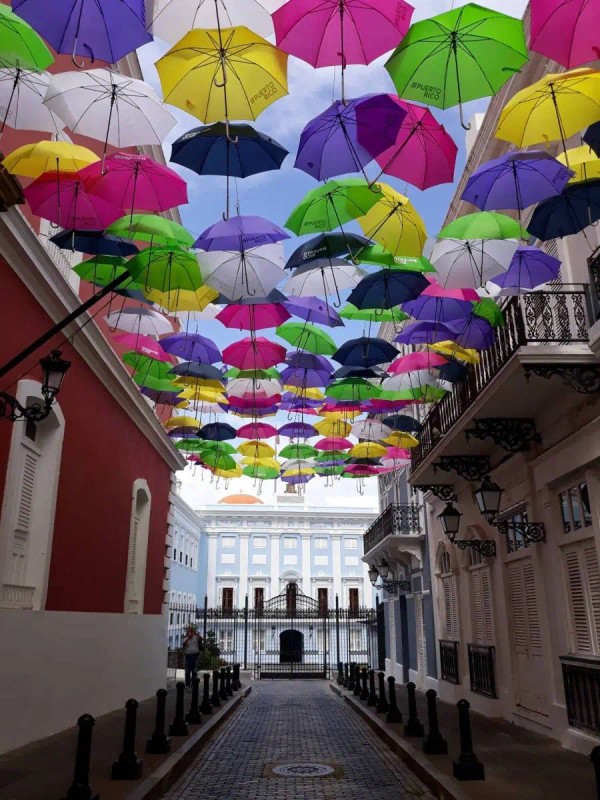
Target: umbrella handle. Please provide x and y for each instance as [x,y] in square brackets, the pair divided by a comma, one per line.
[466,125]
[228,136]
[220,84]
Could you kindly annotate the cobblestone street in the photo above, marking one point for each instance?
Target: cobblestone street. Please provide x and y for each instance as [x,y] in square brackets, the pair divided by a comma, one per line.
[294,722]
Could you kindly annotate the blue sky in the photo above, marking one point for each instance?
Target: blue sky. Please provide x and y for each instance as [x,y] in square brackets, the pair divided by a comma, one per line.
[273,195]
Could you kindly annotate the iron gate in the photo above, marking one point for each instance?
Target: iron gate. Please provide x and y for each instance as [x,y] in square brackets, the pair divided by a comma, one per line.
[289,636]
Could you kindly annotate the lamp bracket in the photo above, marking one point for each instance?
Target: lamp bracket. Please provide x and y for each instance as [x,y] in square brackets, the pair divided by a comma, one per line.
[584,378]
[529,533]
[483,546]
[392,587]
[443,491]
[511,433]
[10,408]
[471,468]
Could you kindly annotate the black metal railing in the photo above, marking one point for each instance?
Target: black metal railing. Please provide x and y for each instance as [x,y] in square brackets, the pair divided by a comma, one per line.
[481,669]
[581,677]
[561,317]
[449,661]
[399,519]
[594,270]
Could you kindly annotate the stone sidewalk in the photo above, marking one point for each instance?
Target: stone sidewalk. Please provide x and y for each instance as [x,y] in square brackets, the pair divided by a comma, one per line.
[301,724]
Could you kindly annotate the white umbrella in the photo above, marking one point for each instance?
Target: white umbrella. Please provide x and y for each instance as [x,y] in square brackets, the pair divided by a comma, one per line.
[22,106]
[371,430]
[470,263]
[250,273]
[140,320]
[297,463]
[257,387]
[409,380]
[112,108]
[322,281]
[174,18]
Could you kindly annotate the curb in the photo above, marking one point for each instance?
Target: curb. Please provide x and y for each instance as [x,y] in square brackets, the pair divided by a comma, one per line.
[163,778]
[441,785]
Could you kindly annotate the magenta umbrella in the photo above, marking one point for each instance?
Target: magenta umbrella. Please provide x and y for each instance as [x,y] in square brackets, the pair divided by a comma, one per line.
[136,182]
[65,198]
[565,30]
[422,359]
[250,401]
[333,443]
[144,345]
[327,33]
[254,353]
[253,317]
[256,430]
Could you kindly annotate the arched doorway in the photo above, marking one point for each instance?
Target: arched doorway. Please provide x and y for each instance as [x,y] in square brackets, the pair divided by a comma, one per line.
[291,646]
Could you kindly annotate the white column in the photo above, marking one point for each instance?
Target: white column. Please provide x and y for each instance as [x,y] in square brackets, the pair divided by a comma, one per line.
[306,585]
[274,564]
[211,570]
[336,571]
[243,584]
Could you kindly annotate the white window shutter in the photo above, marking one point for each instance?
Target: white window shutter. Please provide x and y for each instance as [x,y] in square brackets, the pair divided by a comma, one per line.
[487,607]
[532,608]
[31,462]
[477,606]
[517,602]
[583,579]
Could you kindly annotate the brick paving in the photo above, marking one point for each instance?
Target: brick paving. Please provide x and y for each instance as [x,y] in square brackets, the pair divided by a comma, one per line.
[291,722]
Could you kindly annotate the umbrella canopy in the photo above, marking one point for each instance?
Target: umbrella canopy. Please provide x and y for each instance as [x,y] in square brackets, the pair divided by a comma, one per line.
[365,352]
[151,228]
[236,274]
[21,95]
[217,432]
[240,233]
[334,427]
[442,309]
[192,369]
[333,443]
[250,74]
[571,212]
[348,135]
[386,289]
[422,359]
[326,278]
[299,377]
[32,160]
[562,30]
[427,332]
[21,46]
[256,430]
[371,429]
[140,320]
[191,347]
[174,18]
[327,246]
[67,200]
[298,430]
[583,162]
[253,317]
[402,423]
[165,269]
[257,449]
[592,137]
[529,269]
[473,333]
[394,223]
[471,263]
[376,254]
[306,336]
[395,315]
[254,353]
[330,206]
[144,345]
[367,450]
[454,351]
[483,225]
[313,309]
[182,299]
[352,391]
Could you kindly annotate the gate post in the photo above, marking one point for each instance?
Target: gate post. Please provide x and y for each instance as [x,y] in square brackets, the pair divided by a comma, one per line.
[380,633]
[325,659]
[205,617]
[338,656]
[246,632]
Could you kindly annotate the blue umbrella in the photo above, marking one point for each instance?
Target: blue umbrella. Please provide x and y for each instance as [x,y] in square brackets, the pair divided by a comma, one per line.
[426,332]
[387,288]
[217,432]
[402,422]
[192,369]
[592,137]
[453,371]
[327,245]
[365,352]
[530,267]
[240,233]
[571,212]
[95,243]
[359,372]
[473,333]
[440,309]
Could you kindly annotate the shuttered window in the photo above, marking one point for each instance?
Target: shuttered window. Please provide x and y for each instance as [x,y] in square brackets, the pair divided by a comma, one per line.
[524,607]
[583,580]
[481,599]
[421,648]
[27,489]
[449,598]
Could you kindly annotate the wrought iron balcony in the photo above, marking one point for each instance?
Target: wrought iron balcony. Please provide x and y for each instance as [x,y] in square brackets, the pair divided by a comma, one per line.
[560,317]
[398,519]
[581,676]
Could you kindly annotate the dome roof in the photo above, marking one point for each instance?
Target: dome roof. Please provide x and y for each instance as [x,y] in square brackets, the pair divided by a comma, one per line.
[241,500]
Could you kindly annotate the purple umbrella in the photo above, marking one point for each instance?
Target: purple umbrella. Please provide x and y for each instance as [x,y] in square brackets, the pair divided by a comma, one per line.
[290,401]
[347,136]
[101,31]
[473,333]
[191,347]
[530,267]
[437,309]
[299,358]
[298,430]
[426,332]
[295,479]
[313,309]
[516,180]
[162,398]
[307,378]
[240,233]
[240,411]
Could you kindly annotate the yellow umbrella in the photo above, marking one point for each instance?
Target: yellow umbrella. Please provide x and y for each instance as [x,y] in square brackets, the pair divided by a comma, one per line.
[182,299]
[228,473]
[261,462]
[298,471]
[333,427]
[32,160]
[394,223]
[343,415]
[231,73]
[257,449]
[200,383]
[367,450]
[454,351]
[552,109]
[583,162]
[182,422]
[208,395]
[299,391]
[398,439]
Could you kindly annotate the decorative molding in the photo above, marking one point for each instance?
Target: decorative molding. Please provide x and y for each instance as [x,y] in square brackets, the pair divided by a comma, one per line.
[511,433]
[471,468]
[584,378]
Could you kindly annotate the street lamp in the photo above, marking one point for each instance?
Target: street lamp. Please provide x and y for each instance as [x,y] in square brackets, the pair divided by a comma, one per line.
[383,569]
[390,586]
[450,521]
[54,369]
[488,498]
[373,574]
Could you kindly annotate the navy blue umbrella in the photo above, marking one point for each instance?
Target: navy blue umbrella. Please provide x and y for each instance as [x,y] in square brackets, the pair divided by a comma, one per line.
[95,243]
[387,288]
[192,369]
[359,372]
[402,422]
[327,246]
[453,371]
[365,352]
[592,137]
[217,432]
[570,212]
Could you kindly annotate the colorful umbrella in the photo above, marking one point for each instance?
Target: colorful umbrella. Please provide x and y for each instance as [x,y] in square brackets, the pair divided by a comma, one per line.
[152,228]
[254,353]
[454,351]
[297,430]
[427,332]
[326,277]
[174,18]
[472,333]
[334,427]
[371,429]
[330,206]
[140,320]
[93,243]
[483,225]
[217,432]
[299,377]
[386,289]
[21,95]
[352,390]
[583,162]
[333,443]
[144,345]
[376,254]
[253,317]
[394,223]
[422,359]
[256,430]
[194,370]
[32,160]
[20,45]
[68,200]
[327,246]
[571,212]
[166,269]
[252,272]
[312,309]
[191,347]
[529,269]
[395,315]
[471,262]
[440,309]
[176,300]
[404,424]
[563,30]
[240,233]
[306,336]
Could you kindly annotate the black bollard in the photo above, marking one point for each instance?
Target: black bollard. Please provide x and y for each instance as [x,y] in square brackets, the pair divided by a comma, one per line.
[357,686]
[467,766]
[128,767]
[413,726]
[372,699]
[346,675]
[228,687]
[215,700]
[595,759]
[193,716]
[222,688]
[235,678]
[80,789]
[393,714]
[350,685]
[159,742]
[434,743]
[340,675]
[179,726]
[382,705]
[206,707]
[364,695]
[237,669]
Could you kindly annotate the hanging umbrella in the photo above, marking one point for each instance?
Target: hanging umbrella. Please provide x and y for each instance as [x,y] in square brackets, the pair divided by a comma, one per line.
[152,228]
[376,254]
[436,290]
[304,360]
[327,246]
[369,450]
[103,32]
[471,262]
[256,430]
[386,289]
[313,309]
[144,366]
[571,212]
[426,332]
[32,160]
[423,154]
[333,443]
[182,299]
[254,353]
[333,204]
[516,180]
[165,269]
[343,32]
[419,360]
[334,427]
[257,449]
[21,99]
[552,109]
[403,424]
[174,18]
[20,45]
[228,73]
[218,460]
[453,350]
[487,309]
[163,397]
[365,352]
[306,336]
[140,320]
[196,371]
[298,430]
[460,55]
[592,137]
[191,347]
[217,432]
[359,372]
[93,243]
[583,162]
[143,345]
[409,381]
[348,135]
[483,225]
[394,223]
[371,429]
[67,200]
[326,278]
[253,317]
[440,309]
[115,109]
[252,388]
[252,272]
[393,314]
[563,30]
[240,233]
[529,269]
[473,333]
[299,377]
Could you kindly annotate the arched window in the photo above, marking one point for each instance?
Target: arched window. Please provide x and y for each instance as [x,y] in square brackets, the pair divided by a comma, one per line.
[139,528]
[448,596]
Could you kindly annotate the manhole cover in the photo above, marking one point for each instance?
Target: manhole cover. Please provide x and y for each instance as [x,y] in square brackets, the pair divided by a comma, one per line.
[308,770]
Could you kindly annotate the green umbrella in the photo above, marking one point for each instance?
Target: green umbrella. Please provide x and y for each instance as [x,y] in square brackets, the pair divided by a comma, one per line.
[349,389]
[330,206]
[165,269]
[189,445]
[298,451]
[332,455]
[489,310]
[160,385]
[222,447]
[461,55]
[260,472]
[151,228]
[102,270]
[306,336]
[350,311]
[20,45]
[235,372]
[330,470]
[483,225]
[217,459]
[146,367]
[376,254]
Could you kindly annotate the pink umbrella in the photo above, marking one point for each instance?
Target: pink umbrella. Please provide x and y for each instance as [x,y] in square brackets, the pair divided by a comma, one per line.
[397,453]
[256,430]
[254,353]
[423,359]
[333,407]
[362,470]
[144,345]
[328,33]
[379,406]
[136,182]
[333,443]
[65,199]
[253,317]
[436,290]
[424,154]
[565,31]
[249,401]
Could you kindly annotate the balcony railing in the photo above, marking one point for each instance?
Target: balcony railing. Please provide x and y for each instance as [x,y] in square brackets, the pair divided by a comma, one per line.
[481,669]
[581,676]
[399,519]
[560,316]
[449,661]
